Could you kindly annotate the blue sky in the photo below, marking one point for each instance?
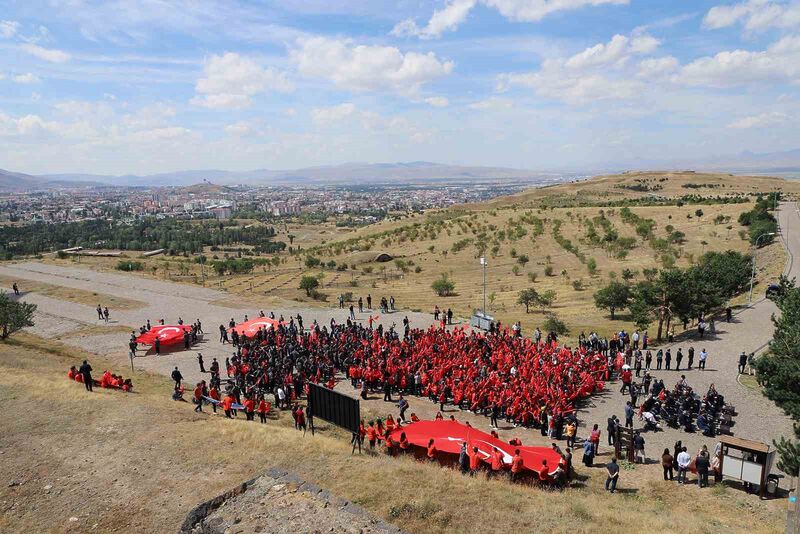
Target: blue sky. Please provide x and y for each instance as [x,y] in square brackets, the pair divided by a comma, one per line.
[145,86]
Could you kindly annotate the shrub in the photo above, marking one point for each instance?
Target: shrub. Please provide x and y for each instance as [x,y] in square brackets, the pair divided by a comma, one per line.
[554,324]
[591,266]
[443,286]
[127,265]
[548,270]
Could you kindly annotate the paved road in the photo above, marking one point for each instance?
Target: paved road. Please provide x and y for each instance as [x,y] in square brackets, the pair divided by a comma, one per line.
[750,330]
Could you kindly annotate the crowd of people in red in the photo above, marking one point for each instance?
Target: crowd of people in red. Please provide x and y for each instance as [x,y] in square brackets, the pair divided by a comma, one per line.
[500,374]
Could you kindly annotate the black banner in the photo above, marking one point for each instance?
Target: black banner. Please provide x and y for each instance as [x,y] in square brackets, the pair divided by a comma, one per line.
[334,407]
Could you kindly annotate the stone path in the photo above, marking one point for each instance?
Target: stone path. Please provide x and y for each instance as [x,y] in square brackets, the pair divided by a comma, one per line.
[750,330]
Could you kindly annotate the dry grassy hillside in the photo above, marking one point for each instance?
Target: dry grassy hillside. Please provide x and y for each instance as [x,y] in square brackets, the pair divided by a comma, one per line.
[546,239]
[652,184]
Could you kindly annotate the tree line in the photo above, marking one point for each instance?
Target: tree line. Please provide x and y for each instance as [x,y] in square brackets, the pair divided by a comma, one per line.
[676,294]
[177,236]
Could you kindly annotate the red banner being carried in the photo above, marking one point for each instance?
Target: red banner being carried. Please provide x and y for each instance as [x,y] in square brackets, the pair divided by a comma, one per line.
[448,435]
[251,327]
[166,334]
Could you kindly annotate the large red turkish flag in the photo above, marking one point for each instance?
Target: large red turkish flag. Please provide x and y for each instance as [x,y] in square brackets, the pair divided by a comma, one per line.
[167,334]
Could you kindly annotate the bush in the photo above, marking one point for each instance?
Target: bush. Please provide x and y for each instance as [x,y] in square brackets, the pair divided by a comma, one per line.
[312,262]
[554,324]
[125,265]
[591,266]
[443,286]
[577,285]
[548,270]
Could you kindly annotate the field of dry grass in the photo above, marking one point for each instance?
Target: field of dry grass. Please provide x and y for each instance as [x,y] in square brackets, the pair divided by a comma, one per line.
[79,296]
[139,462]
[541,238]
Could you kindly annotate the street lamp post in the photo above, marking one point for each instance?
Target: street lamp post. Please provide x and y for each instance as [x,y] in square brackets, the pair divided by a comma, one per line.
[484,263]
[753,274]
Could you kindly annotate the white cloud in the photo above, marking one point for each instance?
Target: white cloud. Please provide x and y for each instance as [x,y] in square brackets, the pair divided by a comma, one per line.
[8,28]
[755,15]
[448,19]
[232,80]
[455,12]
[614,53]
[28,77]
[332,114]
[536,10]
[368,68]
[655,68]
[437,101]
[239,129]
[780,62]
[760,121]
[47,54]
[588,75]
[492,103]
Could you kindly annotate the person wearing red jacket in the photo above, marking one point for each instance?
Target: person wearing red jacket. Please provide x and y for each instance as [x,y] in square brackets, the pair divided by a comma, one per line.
[544,473]
[249,408]
[263,409]
[516,466]
[214,394]
[372,435]
[301,419]
[198,397]
[497,462]
[227,404]
[431,451]
[474,462]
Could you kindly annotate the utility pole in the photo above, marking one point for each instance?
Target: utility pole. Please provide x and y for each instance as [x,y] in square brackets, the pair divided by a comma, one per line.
[753,274]
[484,263]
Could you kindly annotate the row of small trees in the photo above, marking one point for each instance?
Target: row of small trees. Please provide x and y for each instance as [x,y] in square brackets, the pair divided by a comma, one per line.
[678,294]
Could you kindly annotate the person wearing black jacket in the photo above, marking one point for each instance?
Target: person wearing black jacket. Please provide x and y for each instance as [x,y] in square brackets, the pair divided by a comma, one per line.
[177,377]
[702,464]
[86,372]
[611,427]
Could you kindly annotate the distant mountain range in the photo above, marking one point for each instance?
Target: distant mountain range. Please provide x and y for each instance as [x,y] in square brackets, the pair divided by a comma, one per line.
[381,173]
[348,173]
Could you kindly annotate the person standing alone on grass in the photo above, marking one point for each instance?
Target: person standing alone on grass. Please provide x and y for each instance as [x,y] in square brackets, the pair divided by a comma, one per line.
[613,475]
[86,372]
[177,377]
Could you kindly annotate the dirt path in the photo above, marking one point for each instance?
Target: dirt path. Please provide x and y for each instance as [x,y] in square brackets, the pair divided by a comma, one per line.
[750,330]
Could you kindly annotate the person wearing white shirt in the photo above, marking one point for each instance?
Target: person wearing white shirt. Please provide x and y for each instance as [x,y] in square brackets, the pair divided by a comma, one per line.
[703,356]
[683,465]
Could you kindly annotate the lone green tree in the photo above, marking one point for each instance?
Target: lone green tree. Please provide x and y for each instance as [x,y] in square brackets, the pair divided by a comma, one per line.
[615,296]
[14,315]
[443,286]
[309,283]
